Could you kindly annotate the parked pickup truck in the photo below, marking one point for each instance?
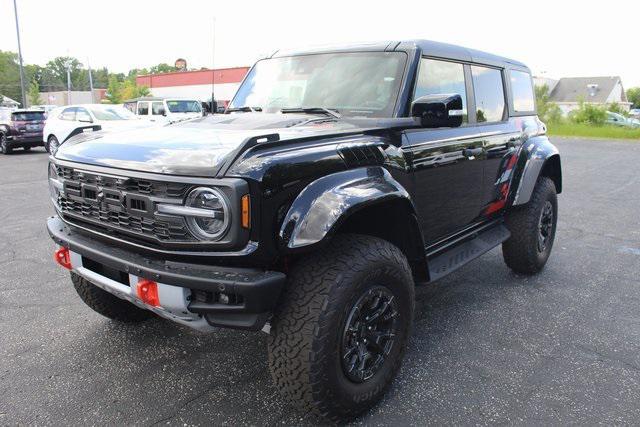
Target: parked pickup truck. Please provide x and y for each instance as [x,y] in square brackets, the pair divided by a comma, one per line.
[337,181]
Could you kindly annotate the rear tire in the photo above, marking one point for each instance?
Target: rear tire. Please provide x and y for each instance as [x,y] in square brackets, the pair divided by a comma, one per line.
[108,305]
[4,145]
[329,352]
[533,230]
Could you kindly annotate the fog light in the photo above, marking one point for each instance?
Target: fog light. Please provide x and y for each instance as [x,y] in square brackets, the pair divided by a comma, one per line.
[63,257]
[147,291]
[224,299]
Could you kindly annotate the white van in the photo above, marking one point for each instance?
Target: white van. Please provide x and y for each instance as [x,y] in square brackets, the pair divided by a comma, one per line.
[167,110]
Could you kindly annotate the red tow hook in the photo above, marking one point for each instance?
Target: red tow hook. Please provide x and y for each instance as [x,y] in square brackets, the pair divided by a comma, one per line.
[63,257]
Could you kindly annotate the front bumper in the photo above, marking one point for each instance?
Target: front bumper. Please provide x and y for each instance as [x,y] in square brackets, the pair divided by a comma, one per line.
[180,285]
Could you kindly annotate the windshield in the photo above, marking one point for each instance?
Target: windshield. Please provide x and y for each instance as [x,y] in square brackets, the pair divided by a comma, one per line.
[30,116]
[355,84]
[113,113]
[184,106]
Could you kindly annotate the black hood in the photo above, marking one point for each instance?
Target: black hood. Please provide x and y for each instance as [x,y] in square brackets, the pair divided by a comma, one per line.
[199,147]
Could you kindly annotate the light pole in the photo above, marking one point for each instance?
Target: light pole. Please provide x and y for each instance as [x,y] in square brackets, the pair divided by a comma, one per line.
[90,82]
[214,104]
[24,95]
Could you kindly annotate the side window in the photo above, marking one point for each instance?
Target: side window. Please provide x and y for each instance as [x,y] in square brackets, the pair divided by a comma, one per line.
[489,93]
[521,91]
[441,77]
[157,108]
[82,115]
[68,114]
[143,108]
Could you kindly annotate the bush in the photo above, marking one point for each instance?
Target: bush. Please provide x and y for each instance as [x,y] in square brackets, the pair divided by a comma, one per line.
[589,114]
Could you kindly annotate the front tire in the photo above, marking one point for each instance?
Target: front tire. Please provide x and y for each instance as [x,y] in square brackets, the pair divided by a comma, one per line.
[533,230]
[340,332]
[52,144]
[102,302]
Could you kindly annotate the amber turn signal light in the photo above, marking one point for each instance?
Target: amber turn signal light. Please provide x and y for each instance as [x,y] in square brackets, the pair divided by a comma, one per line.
[147,291]
[246,211]
[63,257]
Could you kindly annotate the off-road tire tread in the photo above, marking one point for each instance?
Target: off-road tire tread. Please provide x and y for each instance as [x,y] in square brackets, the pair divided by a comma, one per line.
[313,287]
[520,251]
[108,305]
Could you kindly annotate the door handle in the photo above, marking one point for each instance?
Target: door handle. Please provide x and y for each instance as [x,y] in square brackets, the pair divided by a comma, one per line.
[471,152]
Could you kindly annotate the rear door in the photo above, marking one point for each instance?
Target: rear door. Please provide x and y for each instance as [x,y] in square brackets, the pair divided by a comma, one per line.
[447,163]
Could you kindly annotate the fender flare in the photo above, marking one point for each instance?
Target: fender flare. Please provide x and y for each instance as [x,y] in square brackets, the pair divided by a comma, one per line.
[536,153]
[326,202]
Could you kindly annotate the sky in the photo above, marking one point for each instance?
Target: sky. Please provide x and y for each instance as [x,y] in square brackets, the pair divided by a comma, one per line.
[554,38]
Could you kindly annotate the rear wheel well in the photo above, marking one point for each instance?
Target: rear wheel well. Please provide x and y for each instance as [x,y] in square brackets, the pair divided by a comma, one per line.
[551,169]
[395,222]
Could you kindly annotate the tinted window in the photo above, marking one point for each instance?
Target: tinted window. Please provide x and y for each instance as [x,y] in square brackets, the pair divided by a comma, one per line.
[157,108]
[28,116]
[487,86]
[82,115]
[68,114]
[143,108]
[522,91]
[441,77]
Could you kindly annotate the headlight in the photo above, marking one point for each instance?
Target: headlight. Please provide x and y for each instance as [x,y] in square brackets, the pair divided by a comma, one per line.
[207,213]
[55,186]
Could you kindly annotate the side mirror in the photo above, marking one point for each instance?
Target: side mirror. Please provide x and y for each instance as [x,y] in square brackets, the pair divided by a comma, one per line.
[437,111]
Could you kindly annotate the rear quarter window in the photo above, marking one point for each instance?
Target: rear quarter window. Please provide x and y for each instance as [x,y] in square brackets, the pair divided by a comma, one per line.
[522,91]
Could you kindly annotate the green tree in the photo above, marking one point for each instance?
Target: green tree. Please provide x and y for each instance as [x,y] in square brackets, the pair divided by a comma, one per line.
[10,75]
[548,111]
[114,91]
[633,95]
[162,68]
[33,96]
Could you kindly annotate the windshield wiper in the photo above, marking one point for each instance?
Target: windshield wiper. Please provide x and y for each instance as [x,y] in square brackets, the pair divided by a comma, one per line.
[313,110]
[244,109]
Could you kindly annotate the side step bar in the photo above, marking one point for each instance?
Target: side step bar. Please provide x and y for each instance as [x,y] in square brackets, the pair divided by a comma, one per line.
[452,259]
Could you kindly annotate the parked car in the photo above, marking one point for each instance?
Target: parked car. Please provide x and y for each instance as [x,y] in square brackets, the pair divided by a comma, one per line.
[620,120]
[20,129]
[66,122]
[336,182]
[635,113]
[165,110]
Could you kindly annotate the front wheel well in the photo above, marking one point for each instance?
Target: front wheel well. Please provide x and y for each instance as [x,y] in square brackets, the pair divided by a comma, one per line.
[394,221]
[552,169]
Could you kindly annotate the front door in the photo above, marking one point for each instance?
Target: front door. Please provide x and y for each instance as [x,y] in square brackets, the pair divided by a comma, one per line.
[447,170]
[447,163]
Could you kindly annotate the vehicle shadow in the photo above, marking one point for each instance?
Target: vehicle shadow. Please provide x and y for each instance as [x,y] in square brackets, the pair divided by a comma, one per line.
[148,363]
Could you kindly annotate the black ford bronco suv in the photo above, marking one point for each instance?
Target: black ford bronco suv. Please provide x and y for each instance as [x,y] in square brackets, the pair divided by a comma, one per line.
[337,181]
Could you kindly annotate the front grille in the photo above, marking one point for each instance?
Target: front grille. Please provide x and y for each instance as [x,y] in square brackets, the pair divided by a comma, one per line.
[122,206]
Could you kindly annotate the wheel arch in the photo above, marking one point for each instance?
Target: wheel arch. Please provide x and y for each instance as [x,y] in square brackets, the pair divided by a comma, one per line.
[538,157]
[364,201]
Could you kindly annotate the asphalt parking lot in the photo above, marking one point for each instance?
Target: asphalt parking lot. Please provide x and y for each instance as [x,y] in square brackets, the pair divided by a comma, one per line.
[488,346]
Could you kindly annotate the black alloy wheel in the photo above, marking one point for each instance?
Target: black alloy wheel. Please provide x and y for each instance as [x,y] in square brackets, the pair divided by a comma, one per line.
[369,334]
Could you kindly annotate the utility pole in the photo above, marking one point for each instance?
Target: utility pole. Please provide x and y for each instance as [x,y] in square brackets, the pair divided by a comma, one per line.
[24,94]
[214,104]
[68,82]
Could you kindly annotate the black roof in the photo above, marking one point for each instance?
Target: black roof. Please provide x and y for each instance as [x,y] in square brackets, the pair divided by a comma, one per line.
[428,47]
